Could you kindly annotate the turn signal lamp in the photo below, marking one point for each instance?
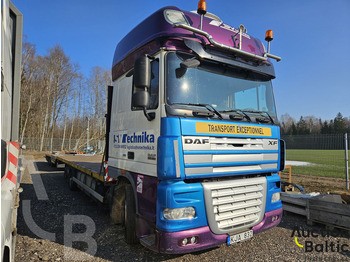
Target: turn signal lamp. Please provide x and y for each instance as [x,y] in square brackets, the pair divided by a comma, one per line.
[202,7]
[269,35]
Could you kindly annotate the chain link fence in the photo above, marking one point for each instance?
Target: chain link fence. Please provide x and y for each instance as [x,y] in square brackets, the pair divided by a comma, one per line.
[58,144]
[318,142]
[322,155]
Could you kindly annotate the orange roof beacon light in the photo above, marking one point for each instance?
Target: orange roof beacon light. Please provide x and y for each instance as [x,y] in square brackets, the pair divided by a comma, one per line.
[269,35]
[268,38]
[202,10]
[202,7]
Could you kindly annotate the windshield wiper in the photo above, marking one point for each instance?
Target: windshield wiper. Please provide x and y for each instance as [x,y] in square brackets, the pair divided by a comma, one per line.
[261,113]
[207,106]
[242,113]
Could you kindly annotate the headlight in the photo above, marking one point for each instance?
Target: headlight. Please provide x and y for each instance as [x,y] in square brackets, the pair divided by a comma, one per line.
[174,16]
[179,213]
[275,197]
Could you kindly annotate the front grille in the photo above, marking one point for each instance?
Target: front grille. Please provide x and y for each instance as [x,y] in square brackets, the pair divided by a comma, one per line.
[223,156]
[234,205]
[234,143]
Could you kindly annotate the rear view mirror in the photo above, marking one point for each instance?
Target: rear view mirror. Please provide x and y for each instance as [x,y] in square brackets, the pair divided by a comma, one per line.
[142,82]
[142,72]
[141,99]
[188,63]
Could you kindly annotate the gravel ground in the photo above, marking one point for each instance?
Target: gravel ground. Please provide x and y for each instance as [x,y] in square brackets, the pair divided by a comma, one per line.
[45,212]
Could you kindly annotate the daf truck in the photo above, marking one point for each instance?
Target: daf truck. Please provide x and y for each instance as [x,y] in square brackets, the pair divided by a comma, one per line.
[193,146]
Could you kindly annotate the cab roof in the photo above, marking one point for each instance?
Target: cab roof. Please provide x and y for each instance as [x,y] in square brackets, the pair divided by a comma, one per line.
[155,32]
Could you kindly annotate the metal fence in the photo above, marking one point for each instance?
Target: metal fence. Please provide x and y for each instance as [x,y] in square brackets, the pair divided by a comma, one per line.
[323,142]
[322,155]
[58,144]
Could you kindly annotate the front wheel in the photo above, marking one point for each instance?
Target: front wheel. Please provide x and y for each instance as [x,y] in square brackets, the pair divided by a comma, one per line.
[130,216]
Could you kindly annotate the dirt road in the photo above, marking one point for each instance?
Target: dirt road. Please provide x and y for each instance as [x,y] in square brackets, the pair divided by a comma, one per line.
[50,216]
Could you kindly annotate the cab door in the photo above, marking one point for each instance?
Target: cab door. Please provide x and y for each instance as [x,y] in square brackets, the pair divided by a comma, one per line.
[133,138]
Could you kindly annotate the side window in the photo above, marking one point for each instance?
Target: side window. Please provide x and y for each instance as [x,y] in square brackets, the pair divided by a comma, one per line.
[154,89]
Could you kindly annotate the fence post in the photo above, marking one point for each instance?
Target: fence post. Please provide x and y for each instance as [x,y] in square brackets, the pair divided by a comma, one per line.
[346,160]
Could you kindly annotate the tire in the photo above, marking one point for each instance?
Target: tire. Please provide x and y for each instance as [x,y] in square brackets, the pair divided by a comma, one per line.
[117,205]
[72,185]
[130,216]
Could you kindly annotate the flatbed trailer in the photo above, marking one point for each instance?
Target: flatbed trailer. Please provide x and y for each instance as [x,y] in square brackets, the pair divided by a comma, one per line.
[83,171]
[89,164]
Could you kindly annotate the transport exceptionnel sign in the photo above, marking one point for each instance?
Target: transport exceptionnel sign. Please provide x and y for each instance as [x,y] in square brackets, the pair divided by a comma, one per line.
[232,129]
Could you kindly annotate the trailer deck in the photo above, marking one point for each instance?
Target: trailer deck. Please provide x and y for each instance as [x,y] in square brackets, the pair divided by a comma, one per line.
[88,164]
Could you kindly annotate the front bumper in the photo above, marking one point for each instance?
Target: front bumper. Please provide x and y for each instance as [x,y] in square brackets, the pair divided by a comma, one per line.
[171,242]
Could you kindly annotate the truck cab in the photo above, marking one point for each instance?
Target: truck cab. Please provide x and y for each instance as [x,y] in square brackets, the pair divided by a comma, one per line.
[194,141]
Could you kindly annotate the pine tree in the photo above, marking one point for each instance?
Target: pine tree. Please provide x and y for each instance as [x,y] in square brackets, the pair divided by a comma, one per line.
[339,124]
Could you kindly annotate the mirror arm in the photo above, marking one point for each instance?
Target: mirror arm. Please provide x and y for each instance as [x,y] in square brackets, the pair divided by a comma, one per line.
[149,116]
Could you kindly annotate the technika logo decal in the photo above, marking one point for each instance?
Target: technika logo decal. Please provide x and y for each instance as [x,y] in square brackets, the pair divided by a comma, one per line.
[140,138]
[318,241]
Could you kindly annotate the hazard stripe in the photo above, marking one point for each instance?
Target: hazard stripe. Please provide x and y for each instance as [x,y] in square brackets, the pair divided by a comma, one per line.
[11,177]
[13,159]
[13,150]
[12,168]
[108,179]
[15,144]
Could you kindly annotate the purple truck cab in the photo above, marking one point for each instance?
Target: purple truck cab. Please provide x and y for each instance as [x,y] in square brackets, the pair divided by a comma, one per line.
[194,131]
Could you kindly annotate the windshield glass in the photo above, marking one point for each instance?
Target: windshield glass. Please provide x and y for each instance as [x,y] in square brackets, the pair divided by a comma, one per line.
[223,87]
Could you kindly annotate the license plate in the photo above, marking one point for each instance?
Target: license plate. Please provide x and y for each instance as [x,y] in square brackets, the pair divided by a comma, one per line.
[239,237]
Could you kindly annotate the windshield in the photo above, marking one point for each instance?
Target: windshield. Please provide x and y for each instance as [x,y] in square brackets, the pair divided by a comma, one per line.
[225,88]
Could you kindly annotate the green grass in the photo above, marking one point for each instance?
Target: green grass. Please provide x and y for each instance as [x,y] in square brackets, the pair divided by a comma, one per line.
[328,163]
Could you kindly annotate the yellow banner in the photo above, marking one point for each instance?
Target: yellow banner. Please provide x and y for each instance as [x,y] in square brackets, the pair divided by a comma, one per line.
[232,129]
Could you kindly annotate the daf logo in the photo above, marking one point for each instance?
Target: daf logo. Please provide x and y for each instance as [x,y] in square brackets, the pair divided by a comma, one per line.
[196,141]
[272,143]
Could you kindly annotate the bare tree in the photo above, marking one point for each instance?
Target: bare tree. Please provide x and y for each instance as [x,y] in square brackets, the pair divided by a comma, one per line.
[97,83]
[29,66]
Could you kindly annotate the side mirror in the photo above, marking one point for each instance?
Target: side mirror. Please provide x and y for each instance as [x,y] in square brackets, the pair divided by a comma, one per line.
[142,80]
[141,99]
[142,72]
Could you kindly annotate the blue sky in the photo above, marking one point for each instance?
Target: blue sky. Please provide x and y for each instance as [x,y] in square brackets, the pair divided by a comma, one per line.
[312,37]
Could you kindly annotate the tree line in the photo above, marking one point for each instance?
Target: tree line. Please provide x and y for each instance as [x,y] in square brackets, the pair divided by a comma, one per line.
[57,101]
[308,125]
